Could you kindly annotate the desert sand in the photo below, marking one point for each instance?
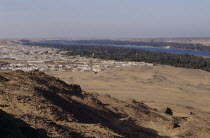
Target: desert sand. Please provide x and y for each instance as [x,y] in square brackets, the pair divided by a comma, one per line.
[158,85]
[33,104]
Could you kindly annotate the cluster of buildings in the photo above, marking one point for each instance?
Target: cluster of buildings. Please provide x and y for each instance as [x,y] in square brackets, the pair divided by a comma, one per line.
[27,58]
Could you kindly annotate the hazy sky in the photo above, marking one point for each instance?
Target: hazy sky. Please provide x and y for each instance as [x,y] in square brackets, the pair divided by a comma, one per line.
[104,18]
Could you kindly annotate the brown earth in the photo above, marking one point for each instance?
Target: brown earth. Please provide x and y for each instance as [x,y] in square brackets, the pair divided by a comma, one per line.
[48,107]
[35,104]
[158,84]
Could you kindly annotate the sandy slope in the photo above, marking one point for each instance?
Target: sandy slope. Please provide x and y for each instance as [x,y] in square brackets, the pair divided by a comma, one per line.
[162,84]
[37,105]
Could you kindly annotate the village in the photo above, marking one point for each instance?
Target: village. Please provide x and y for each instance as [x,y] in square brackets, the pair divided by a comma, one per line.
[27,58]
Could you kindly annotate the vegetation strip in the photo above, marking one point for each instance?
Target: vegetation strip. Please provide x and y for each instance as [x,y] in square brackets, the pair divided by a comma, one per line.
[126,54]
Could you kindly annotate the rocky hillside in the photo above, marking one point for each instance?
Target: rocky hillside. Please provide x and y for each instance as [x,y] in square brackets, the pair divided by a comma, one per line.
[33,104]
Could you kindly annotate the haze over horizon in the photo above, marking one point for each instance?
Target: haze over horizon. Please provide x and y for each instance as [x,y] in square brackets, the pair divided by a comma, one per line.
[104,19]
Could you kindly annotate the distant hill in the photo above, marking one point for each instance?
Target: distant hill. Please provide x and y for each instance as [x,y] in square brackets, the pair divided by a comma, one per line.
[35,104]
[191,40]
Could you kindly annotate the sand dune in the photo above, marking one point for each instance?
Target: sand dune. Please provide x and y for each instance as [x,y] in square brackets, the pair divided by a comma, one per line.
[163,84]
[48,107]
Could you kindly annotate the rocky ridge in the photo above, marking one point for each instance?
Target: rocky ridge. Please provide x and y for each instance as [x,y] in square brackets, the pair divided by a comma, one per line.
[37,105]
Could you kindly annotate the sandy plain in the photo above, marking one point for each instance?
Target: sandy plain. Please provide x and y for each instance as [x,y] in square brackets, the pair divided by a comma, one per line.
[158,86]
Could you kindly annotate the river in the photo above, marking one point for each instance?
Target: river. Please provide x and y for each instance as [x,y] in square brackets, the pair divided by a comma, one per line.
[146,48]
